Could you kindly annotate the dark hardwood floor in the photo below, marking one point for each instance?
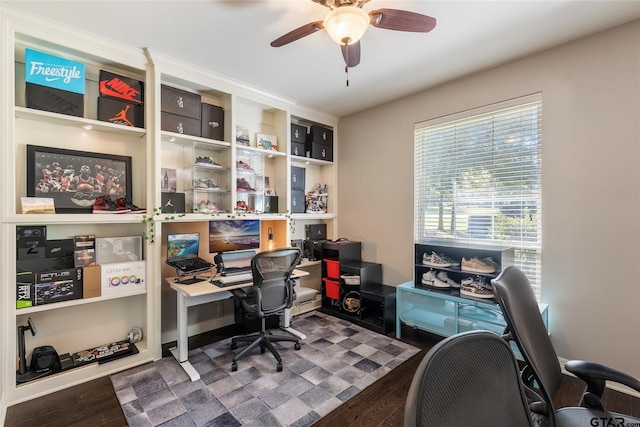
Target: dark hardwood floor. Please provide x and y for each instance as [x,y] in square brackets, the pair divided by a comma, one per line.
[381,405]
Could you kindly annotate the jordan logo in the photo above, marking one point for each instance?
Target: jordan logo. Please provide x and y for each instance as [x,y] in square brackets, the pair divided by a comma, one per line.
[121,117]
[168,204]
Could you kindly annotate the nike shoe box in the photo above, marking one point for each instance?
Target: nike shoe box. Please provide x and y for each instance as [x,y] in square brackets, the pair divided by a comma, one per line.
[297,178]
[57,286]
[123,277]
[180,124]
[298,149]
[212,122]
[120,113]
[320,134]
[121,88]
[298,199]
[320,151]
[181,102]
[298,133]
[54,100]
[172,202]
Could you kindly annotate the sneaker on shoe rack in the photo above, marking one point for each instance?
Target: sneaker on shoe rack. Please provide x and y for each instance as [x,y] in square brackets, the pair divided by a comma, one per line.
[206,160]
[444,277]
[434,260]
[207,206]
[477,288]
[126,204]
[104,205]
[242,206]
[320,190]
[489,261]
[431,279]
[454,263]
[242,165]
[476,266]
[243,185]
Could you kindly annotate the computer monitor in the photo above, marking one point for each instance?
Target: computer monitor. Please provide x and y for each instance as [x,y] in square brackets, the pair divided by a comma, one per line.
[234,235]
[182,244]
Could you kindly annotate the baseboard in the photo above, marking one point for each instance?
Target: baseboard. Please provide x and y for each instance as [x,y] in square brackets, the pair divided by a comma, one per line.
[611,385]
[3,411]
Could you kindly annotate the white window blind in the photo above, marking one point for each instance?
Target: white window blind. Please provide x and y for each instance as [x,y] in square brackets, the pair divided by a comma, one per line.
[478,179]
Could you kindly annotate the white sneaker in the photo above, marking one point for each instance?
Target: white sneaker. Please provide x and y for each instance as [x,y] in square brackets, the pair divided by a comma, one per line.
[431,279]
[444,277]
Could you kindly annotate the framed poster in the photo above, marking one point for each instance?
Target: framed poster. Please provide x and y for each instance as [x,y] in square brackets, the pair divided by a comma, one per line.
[75,179]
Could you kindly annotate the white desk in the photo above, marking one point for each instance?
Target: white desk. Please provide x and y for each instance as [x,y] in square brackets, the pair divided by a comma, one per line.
[201,293]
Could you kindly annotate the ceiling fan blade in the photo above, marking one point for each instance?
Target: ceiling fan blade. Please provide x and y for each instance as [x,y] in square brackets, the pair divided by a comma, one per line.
[298,33]
[351,54]
[401,20]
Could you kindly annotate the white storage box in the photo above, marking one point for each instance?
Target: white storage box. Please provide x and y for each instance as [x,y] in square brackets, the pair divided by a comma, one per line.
[123,277]
[350,279]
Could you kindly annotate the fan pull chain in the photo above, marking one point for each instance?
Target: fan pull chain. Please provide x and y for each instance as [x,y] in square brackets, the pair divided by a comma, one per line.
[346,67]
[346,70]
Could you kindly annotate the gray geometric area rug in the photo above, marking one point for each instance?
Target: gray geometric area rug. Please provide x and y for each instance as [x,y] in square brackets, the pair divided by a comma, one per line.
[337,361]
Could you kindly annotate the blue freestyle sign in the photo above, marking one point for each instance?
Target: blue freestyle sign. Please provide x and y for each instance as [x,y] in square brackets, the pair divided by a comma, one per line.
[53,71]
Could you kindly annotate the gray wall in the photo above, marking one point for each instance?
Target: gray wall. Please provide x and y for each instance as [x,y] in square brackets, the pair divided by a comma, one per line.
[591,183]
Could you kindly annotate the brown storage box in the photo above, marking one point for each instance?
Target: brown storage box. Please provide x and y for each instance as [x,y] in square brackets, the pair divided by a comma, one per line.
[120,113]
[54,100]
[180,124]
[180,102]
[92,281]
[212,122]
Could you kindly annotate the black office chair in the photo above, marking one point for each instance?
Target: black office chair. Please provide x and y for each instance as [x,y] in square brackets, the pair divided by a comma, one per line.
[542,375]
[271,294]
[468,379]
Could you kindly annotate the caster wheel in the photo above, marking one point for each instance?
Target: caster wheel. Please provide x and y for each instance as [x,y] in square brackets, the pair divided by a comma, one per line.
[234,345]
[234,367]
[297,346]
[279,368]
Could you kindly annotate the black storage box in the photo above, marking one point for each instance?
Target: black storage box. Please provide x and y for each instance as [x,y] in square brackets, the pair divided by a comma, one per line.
[180,124]
[320,151]
[270,204]
[120,113]
[315,231]
[297,201]
[212,122]
[298,149]
[59,285]
[180,102]
[44,264]
[298,133]
[320,134]
[31,230]
[121,88]
[31,247]
[54,100]
[172,203]
[59,248]
[297,178]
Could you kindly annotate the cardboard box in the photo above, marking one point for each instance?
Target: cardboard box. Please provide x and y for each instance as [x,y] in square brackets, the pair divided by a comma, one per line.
[297,178]
[180,102]
[212,122]
[53,71]
[44,264]
[180,124]
[270,204]
[54,100]
[120,113]
[84,250]
[123,277]
[59,248]
[92,281]
[31,247]
[121,88]
[31,230]
[118,249]
[172,202]
[298,199]
[57,286]
[25,296]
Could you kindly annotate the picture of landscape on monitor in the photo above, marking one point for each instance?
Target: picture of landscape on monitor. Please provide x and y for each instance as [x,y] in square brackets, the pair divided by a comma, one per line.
[233,235]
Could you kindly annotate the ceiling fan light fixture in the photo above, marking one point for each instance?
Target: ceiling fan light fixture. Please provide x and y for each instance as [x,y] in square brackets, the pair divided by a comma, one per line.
[346,24]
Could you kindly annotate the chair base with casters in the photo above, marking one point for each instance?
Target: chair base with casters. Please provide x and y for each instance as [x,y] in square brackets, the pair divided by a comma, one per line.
[263,339]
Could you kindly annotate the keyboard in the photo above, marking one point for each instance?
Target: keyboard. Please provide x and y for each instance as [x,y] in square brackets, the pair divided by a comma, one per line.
[246,277]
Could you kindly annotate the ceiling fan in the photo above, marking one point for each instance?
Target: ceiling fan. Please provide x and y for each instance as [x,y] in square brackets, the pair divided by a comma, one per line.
[347,22]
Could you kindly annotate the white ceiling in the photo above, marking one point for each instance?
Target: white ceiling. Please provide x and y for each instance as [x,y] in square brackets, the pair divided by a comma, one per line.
[231,38]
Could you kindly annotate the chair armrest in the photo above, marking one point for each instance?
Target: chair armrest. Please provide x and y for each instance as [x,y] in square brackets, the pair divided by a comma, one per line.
[595,375]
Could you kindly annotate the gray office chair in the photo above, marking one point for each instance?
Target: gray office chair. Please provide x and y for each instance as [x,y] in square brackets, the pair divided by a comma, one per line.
[468,379]
[542,375]
[271,294]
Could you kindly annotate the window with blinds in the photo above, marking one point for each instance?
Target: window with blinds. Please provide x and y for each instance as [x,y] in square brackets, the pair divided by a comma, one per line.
[478,179]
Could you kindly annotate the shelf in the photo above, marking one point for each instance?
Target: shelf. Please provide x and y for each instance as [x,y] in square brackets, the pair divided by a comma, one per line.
[260,151]
[38,219]
[66,120]
[182,139]
[310,161]
[75,302]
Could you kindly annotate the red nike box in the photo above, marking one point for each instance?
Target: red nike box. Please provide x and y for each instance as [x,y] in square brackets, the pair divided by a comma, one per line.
[121,88]
[121,113]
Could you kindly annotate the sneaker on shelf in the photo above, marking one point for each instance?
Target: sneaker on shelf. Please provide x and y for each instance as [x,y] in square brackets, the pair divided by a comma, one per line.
[454,263]
[207,206]
[476,266]
[489,261]
[444,277]
[126,204]
[431,279]
[434,260]
[242,206]
[477,288]
[204,183]
[206,160]
[320,190]
[242,165]
[104,205]
[243,185]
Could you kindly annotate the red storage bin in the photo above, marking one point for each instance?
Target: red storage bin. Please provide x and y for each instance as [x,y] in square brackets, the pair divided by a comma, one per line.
[333,268]
[331,288]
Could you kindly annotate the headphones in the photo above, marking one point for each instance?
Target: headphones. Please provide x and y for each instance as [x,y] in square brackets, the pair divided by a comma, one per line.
[135,335]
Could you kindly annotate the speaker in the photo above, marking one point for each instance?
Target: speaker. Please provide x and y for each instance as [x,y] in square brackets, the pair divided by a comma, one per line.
[45,358]
[135,335]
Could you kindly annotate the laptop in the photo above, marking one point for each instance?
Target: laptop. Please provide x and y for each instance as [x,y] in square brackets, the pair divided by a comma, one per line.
[235,266]
[182,254]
